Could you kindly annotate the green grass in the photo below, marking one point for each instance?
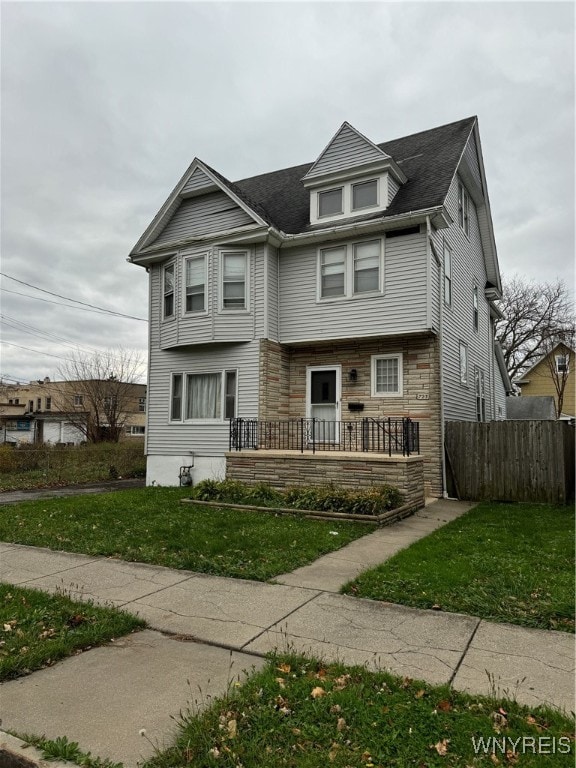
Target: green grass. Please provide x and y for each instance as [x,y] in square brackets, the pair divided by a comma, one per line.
[37,629]
[150,525]
[62,749]
[355,719]
[504,562]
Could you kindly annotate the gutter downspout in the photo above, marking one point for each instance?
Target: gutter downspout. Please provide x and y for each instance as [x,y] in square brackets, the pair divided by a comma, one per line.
[441,359]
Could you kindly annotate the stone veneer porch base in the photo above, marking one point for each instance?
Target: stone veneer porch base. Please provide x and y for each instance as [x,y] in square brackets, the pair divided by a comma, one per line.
[282,469]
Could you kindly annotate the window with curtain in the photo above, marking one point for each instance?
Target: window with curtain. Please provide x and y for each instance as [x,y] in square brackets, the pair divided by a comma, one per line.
[234,273]
[204,396]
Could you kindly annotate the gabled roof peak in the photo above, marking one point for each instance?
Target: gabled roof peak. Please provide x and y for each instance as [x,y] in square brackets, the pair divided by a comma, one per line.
[348,148]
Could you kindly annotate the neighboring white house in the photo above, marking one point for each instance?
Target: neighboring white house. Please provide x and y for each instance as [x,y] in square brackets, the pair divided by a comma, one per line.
[357,287]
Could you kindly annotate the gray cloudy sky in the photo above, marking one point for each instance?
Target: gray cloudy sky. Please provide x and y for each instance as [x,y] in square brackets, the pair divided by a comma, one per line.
[104,105]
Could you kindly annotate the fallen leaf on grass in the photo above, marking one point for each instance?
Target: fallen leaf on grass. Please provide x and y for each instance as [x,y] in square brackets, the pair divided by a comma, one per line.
[420,693]
[281,682]
[441,746]
[341,682]
[285,668]
[444,705]
[232,728]
[341,724]
[333,752]
[317,692]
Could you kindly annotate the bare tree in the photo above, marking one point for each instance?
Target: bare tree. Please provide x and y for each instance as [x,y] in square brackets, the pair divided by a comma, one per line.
[559,357]
[535,316]
[98,392]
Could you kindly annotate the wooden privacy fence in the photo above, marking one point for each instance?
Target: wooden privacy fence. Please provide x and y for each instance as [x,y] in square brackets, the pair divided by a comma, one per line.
[510,460]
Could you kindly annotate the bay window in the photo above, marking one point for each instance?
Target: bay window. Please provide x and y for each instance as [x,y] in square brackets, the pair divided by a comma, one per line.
[203,396]
[168,290]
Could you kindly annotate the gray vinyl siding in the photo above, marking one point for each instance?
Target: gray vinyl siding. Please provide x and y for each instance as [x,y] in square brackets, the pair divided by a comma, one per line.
[211,438]
[196,182]
[400,309]
[348,150]
[211,213]
[273,294]
[467,269]
[393,187]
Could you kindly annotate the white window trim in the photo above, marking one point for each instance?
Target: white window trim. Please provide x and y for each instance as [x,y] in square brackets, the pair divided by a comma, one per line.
[373,363]
[349,272]
[184,399]
[463,192]
[447,300]
[191,257]
[329,215]
[347,210]
[172,265]
[375,205]
[475,308]
[247,282]
[566,359]
[463,374]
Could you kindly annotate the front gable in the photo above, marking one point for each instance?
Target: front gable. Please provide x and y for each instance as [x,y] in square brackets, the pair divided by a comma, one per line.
[203,203]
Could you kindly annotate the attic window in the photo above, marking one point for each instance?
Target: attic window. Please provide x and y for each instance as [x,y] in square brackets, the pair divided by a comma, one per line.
[562,364]
[330,202]
[364,195]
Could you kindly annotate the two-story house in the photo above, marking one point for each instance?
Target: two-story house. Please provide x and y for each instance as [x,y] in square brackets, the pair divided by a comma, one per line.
[553,376]
[356,288]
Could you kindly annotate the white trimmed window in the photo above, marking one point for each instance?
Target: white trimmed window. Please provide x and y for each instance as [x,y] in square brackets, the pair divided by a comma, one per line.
[203,396]
[387,379]
[168,280]
[78,400]
[463,208]
[365,194]
[350,270]
[480,394]
[562,364]
[463,354]
[330,202]
[475,307]
[142,404]
[447,274]
[234,280]
[135,429]
[195,283]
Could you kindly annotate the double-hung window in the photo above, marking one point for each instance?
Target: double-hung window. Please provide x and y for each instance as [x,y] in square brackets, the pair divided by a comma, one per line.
[562,364]
[366,266]
[195,278]
[463,354]
[234,280]
[332,272]
[463,208]
[203,396]
[447,274]
[168,290]
[350,270]
[387,375]
[480,395]
[475,307]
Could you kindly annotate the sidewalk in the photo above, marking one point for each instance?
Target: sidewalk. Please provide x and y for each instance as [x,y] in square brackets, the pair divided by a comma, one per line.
[204,630]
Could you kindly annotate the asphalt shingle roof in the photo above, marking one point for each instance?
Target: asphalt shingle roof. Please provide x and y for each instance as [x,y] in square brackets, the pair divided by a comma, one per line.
[429,159]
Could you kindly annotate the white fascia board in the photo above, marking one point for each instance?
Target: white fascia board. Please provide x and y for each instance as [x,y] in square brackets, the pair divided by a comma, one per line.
[363,227]
[346,174]
[153,254]
[159,220]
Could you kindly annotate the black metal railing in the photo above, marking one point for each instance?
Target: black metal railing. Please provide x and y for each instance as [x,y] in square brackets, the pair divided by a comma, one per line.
[389,436]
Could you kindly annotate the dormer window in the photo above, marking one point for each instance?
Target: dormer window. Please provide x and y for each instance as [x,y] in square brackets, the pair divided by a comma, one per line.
[365,195]
[330,202]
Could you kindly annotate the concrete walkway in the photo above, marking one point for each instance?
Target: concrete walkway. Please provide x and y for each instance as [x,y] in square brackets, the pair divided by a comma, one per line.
[205,630]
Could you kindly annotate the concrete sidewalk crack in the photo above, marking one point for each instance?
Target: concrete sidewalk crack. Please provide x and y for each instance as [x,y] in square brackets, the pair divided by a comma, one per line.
[464,652]
[283,618]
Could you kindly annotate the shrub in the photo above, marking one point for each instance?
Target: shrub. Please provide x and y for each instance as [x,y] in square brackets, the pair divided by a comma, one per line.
[372,501]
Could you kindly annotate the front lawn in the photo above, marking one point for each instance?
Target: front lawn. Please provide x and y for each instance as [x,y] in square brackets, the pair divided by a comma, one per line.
[37,629]
[300,713]
[150,525]
[504,562]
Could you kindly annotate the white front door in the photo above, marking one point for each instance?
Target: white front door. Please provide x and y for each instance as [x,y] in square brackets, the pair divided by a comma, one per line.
[323,401]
